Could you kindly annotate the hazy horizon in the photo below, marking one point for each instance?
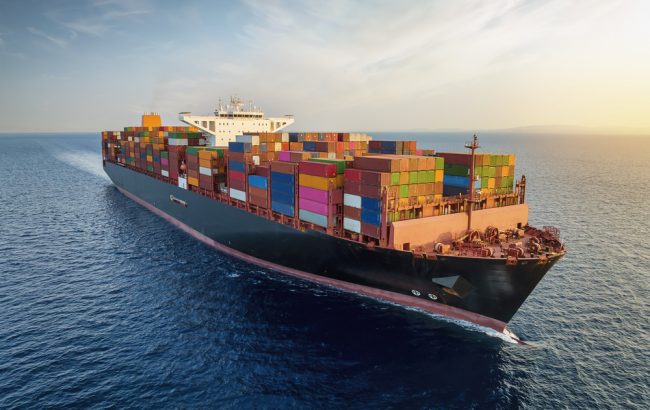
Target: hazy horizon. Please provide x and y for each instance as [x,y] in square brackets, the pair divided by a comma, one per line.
[510,66]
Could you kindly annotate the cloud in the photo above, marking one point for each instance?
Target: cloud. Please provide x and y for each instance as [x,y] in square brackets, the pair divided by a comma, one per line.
[60,42]
[382,65]
[99,18]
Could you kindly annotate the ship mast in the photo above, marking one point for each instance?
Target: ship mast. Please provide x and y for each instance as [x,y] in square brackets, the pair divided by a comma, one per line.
[472,145]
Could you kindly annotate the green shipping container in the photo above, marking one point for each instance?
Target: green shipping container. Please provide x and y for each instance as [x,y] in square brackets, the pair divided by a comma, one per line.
[404,191]
[430,177]
[413,177]
[440,163]
[422,177]
[394,178]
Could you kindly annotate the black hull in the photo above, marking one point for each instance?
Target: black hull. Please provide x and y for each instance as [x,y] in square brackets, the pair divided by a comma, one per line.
[481,290]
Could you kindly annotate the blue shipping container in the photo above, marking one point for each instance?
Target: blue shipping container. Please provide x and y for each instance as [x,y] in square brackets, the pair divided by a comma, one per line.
[370,204]
[459,182]
[309,146]
[237,166]
[277,177]
[282,188]
[371,217]
[282,208]
[283,197]
[257,181]
[239,146]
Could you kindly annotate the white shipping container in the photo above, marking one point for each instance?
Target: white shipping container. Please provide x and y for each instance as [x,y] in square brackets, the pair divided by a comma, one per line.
[182,182]
[177,141]
[241,195]
[253,139]
[314,218]
[352,225]
[277,146]
[285,137]
[256,159]
[164,173]
[205,171]
[352,200]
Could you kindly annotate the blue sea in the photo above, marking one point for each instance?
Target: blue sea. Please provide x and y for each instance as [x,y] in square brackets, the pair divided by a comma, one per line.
[103,304]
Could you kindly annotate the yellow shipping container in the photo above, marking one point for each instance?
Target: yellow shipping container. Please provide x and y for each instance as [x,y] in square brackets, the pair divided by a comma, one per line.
[403,178]
[205,154]
[321,183]
[492,183]
[206,163]
[440,174]
[505,171]
[150,158]
[193,181]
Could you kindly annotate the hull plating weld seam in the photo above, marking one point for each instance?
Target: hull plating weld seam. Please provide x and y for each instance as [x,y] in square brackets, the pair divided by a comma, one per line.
[433,307]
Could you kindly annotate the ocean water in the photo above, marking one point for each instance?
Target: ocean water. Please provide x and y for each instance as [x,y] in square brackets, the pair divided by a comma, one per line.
[103,304]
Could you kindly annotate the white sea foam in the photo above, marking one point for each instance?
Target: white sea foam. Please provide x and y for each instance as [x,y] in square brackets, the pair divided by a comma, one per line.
[86,161]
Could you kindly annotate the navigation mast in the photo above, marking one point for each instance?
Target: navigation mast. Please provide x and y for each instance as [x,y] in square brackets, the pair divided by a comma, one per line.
[472,145]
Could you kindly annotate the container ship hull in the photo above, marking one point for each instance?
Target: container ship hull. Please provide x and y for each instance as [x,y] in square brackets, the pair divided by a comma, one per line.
[484,291]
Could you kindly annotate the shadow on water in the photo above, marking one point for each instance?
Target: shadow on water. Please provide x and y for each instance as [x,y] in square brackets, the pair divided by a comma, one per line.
[291,338]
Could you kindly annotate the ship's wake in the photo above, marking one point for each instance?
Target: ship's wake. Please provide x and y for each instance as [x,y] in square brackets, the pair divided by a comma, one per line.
[86,161]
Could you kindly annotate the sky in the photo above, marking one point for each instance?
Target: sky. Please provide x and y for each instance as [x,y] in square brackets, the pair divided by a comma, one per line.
[335,65]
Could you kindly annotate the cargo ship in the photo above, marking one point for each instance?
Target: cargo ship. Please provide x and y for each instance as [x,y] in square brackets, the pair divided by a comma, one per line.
[445,233]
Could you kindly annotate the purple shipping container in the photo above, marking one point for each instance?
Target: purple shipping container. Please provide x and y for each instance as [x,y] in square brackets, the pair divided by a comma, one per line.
[285,156]
[164,161]
[312,206]
[312,194]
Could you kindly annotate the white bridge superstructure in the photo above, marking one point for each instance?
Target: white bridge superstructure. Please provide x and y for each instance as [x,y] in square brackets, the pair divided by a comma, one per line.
[234,119]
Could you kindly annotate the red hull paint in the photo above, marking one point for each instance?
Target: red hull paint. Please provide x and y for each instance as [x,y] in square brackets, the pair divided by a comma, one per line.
[435,308]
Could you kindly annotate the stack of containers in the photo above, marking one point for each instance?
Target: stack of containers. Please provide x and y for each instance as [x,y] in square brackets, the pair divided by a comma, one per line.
[258,187]
[176,158]
[240,154]
[319,193]
[265,146]
[192,163]
[329,144]
[495,173]
[392,147]
[164,163]
[364,187]
[283,187]
[412,186]
[211,168]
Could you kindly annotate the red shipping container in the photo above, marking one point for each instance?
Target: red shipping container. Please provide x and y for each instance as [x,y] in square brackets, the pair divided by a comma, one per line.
[257,191]
[237,176]
[262,171]
[241,156]
[283,167]
[238,185]
[206,182]
[370,191]
[380,163]
[370,230]
[351,187]
[318,169]
[375,178]
[456,158]
[352,213]
[352,175]
[258,200]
